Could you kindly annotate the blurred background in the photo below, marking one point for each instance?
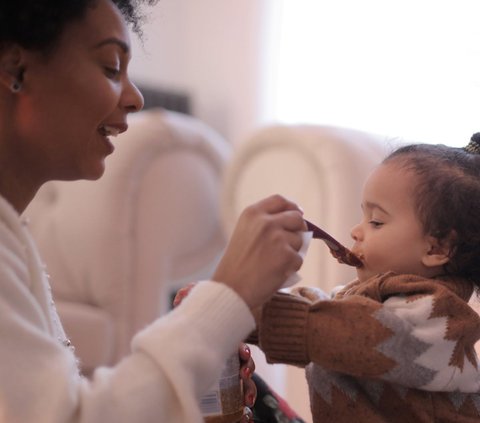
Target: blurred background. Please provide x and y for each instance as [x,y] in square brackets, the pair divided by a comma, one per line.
[404,69]
[297,97]
[409,68]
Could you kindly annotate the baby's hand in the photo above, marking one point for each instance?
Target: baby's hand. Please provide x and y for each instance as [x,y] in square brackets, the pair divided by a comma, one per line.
[312,294]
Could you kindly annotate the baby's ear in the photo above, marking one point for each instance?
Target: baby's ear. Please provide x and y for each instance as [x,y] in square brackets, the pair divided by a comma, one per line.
[439,251]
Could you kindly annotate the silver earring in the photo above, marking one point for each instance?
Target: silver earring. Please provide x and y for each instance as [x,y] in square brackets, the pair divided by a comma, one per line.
[16,86]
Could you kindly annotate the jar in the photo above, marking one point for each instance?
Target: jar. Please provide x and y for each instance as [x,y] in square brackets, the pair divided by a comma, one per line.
[224,401]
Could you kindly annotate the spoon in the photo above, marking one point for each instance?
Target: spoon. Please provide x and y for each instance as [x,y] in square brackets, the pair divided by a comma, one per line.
[341,253]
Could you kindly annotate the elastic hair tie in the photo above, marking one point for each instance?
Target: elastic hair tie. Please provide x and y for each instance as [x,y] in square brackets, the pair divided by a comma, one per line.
[473,146]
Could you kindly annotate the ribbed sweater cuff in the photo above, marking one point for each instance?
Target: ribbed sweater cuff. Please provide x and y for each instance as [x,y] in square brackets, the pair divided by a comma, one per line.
[282,330]
[212,313]
[215,302]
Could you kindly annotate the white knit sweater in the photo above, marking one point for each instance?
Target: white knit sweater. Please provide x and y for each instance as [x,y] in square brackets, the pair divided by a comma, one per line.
[173,361]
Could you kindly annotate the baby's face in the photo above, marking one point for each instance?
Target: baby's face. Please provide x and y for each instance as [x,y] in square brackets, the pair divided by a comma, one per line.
[390,236]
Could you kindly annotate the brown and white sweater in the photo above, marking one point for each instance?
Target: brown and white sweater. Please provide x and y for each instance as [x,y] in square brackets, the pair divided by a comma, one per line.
[396,348]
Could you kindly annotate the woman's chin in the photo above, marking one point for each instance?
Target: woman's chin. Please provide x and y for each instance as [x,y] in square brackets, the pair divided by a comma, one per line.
[92,172]
[96,173]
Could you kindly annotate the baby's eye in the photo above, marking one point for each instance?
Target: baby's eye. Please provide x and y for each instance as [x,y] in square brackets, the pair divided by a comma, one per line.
[375,223]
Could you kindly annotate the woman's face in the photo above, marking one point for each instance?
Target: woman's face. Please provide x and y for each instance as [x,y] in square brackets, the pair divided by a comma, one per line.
[74,98]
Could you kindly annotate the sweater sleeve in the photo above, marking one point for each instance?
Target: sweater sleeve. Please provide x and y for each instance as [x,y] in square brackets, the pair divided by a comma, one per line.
[415,333]
[172,363]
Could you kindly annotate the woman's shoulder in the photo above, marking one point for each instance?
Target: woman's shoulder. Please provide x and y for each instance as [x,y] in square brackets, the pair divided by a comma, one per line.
[10,220]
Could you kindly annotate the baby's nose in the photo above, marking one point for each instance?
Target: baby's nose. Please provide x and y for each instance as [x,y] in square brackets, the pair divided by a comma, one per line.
[355,232]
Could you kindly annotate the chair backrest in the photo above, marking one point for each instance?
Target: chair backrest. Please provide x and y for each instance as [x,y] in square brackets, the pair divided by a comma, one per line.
[323,168]
[118,248]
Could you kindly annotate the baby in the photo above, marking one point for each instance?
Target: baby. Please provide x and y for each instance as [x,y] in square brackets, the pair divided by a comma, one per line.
[397,344]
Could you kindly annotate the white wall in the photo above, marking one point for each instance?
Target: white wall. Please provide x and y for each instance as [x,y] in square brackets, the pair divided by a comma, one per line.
[210,49]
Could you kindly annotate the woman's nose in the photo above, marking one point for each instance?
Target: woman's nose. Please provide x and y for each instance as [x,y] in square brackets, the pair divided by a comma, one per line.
[132,98]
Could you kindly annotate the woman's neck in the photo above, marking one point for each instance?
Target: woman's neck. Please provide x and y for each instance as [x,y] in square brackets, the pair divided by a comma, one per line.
[16,189]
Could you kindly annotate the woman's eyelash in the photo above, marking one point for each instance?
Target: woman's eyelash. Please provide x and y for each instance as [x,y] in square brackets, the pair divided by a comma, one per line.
[112,72]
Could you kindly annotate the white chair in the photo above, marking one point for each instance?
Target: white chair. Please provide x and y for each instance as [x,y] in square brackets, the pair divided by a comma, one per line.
[117,249]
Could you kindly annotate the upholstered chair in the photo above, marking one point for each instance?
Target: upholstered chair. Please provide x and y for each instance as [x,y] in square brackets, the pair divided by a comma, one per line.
[323,169]
[117,249]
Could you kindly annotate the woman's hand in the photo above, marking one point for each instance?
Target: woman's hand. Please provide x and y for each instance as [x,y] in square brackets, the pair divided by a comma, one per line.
[247,365]
[247,368]
[263,250]
[182,293]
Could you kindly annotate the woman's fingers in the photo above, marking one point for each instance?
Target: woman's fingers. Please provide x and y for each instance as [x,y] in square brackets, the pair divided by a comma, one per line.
[277,203]
[294,222]
[247,368]
[263,250]
[247,416]
[250,392]
[182,293]
[244,353]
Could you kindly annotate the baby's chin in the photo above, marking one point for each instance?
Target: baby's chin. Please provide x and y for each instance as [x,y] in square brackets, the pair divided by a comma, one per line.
[363,274]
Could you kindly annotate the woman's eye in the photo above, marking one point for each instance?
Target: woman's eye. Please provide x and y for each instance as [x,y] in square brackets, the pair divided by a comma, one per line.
[375,223]
[112,72]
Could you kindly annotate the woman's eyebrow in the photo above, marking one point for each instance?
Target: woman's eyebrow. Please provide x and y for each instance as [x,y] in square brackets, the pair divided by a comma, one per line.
[117,41]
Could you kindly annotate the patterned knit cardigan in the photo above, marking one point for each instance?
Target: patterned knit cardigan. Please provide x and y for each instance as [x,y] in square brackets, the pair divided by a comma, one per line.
[396,348]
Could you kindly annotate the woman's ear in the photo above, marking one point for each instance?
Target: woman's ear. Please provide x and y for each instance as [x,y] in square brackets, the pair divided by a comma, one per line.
[438,251]
[11,67]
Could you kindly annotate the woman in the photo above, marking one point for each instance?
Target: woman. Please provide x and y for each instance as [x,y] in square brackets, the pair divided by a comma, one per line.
[64,91]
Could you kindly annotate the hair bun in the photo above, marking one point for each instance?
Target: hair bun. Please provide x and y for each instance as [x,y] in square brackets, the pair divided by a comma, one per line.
[473,146]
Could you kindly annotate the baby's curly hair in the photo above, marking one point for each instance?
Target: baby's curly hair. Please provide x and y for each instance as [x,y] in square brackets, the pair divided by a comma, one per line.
[38,24]
[447,200]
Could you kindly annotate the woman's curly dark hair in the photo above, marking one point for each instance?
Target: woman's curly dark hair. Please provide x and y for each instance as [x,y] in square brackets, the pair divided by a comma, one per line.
[447,200]
[38,24]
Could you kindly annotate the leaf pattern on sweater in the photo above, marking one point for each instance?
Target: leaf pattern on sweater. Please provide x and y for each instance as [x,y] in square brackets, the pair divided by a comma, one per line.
[476,402]
[456,331]
[449,297]
[457,399]
[322,383]
[394,348]
[375,389]
[404,348]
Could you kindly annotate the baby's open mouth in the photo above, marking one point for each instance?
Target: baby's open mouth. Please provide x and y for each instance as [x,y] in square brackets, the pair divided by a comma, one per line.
[337,250]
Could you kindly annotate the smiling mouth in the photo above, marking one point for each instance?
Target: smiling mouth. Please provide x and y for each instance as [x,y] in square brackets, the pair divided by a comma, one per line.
[108,131]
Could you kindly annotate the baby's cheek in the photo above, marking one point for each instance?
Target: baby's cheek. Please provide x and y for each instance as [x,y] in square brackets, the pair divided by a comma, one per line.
[377,262]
